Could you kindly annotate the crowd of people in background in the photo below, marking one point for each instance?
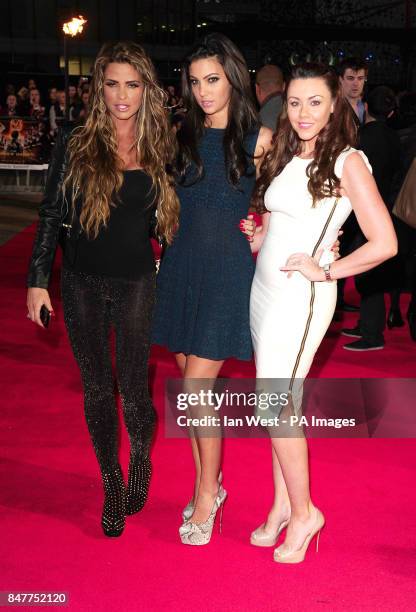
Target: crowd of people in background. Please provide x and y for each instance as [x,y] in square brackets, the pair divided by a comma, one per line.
[386,125]
[28,101]
[46,110]
[387,135]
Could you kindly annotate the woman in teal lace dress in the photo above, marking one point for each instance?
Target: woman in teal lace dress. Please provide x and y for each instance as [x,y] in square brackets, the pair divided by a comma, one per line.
[202,312]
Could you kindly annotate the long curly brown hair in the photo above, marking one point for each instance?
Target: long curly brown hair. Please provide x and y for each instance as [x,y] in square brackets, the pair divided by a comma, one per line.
[338,134]
[94,166]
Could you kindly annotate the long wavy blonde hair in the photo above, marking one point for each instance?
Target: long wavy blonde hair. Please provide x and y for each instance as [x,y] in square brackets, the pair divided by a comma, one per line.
[94,165]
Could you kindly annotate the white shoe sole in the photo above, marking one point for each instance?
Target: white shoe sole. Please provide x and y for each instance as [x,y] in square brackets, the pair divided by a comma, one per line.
[363,350]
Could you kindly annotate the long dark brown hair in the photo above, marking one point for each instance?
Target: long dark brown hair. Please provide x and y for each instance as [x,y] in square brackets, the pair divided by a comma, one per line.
[338,134]
[94,166]
[242,117]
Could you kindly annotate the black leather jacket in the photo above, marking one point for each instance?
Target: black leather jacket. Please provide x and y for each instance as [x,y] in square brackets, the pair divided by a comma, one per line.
[54,211]
[58,222]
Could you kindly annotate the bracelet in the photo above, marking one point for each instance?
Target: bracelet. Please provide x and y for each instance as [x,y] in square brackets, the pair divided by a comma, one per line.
[327,271]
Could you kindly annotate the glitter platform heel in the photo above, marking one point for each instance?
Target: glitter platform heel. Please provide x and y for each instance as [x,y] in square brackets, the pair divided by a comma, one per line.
[114,511]
[138,485]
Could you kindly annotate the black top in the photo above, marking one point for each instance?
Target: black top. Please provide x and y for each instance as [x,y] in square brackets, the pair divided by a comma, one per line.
[381,144]
[408,142]
[122,249]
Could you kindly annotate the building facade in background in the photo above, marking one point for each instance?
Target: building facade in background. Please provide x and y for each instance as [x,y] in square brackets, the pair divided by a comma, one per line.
[284,31]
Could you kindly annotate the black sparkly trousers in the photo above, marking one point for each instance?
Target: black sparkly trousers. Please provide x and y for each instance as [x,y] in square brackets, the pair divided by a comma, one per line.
[92,306]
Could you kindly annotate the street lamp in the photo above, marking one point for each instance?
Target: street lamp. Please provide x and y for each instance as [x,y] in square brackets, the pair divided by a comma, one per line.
[70,28]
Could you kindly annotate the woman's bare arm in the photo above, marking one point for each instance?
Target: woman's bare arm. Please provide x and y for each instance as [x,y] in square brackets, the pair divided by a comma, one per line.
[373,218]
[358,185]
[264,142]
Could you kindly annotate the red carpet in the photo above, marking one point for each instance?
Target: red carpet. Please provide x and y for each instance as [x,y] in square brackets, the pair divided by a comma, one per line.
[51,494]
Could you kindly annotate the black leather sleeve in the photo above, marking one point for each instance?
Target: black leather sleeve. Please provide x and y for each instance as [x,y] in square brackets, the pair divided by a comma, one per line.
[51,213]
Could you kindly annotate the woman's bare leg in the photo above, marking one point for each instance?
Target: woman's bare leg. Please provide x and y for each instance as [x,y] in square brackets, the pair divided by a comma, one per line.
[181,362]
[209,448]
[292,454]
[280,511]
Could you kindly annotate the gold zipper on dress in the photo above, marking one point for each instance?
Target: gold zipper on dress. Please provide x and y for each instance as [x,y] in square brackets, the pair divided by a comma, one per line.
[308,323]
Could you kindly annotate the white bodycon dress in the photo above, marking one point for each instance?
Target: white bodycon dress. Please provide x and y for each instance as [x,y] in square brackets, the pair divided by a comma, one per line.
[289,316]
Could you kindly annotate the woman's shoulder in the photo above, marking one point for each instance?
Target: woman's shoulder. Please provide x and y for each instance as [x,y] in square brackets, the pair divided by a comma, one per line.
[349,152]
[263,137]
[264,134]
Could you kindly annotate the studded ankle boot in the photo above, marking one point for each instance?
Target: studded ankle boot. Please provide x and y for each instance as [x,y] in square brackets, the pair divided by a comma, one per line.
[138,485]
[114,511]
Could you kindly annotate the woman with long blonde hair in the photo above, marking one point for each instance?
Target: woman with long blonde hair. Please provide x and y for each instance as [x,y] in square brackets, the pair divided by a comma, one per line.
[106,182]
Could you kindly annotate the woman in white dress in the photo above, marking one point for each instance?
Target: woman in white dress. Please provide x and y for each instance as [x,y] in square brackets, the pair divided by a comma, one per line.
[310,181]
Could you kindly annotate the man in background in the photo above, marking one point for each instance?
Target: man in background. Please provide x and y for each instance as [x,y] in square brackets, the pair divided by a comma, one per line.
[270,85]
[381,144]
[353,76]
